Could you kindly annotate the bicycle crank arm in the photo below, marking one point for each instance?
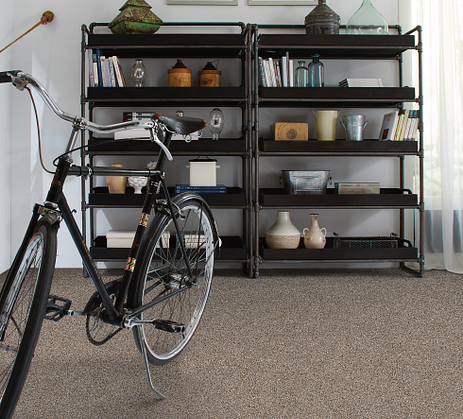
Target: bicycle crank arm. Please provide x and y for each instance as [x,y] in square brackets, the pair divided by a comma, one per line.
[166,325]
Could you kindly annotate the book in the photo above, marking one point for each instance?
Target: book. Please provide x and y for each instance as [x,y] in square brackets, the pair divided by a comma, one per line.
[403,118]
[105,72]
[291,72]
[361,82]
[119,72]
[389,126]
[112,73]
[200,189]
[263,78]
[284,71]
[273,76]
[99,69]
[134,133]
[131,116]
[91,76]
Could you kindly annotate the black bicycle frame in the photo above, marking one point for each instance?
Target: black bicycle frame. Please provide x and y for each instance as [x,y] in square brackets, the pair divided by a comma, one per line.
[56,202]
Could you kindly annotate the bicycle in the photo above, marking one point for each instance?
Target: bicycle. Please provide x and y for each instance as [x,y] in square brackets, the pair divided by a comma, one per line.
[167,278]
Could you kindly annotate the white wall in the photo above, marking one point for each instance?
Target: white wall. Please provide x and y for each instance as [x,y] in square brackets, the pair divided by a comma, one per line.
[52,54]
[6,29]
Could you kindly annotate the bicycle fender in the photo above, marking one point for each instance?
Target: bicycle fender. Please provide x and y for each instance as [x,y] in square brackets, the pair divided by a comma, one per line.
[185,196]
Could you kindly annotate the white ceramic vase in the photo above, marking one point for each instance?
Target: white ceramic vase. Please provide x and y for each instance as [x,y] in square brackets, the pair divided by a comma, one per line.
[314,237]
[283,234]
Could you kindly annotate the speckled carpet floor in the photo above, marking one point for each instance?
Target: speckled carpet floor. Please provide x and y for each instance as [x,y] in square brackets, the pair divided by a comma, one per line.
[290,344]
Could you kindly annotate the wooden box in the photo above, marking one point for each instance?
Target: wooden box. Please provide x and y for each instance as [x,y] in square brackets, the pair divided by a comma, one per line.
[289,131]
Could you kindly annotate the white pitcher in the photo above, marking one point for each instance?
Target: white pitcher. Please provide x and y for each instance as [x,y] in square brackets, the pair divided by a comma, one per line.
[325,122]
[314,237]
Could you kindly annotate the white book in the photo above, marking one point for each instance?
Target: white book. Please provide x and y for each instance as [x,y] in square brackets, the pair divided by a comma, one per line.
[91,74]
[272,72]
[291,73]
[112,74]
[263,79]
[268,75]
[105,71]
[284,71]
[389,126]
[117,70]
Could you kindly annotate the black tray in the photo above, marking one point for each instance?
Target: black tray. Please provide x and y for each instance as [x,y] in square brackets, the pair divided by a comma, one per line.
[177,147]
[232,249]
[100,197]
[405,250]
[372,147]
[388,198]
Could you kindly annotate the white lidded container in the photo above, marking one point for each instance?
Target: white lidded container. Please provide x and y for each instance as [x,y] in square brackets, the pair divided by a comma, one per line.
[124,239]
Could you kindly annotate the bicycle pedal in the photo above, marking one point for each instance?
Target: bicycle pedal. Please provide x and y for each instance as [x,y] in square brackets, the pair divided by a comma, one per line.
[169,326]
[57,308]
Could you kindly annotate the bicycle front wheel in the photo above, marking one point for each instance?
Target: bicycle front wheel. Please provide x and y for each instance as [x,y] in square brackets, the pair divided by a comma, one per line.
[163,276]
[23,303]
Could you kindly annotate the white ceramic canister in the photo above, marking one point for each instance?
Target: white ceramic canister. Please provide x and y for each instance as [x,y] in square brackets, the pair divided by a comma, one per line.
[325,123]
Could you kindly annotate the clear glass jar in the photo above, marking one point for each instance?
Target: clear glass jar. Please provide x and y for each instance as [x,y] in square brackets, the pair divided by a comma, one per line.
[316,72]
[367,21]
[301,75]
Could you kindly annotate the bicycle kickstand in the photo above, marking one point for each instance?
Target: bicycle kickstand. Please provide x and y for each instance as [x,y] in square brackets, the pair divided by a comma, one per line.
[148,372]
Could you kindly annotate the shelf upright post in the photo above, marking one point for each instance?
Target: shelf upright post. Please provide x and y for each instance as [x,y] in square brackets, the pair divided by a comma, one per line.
[82,135]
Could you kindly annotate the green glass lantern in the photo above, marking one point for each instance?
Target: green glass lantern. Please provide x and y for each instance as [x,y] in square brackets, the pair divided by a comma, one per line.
[135,17]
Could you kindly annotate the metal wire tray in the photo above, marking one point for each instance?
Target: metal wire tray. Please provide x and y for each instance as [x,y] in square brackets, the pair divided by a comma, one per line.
[366,242]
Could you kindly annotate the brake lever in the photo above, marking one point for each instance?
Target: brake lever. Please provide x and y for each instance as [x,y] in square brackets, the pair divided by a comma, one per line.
[154,138]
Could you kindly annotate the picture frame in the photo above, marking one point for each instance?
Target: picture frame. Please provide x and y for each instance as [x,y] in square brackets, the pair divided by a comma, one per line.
[282,2]
[204,2]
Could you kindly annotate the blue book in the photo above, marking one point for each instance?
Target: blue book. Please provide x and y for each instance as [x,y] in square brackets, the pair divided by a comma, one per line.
[98,65]
[201,189]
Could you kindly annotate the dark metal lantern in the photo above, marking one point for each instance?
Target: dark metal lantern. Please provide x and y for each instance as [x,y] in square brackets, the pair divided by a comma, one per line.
[322,20]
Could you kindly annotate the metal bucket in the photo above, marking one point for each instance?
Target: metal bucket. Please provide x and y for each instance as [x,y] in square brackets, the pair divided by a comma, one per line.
[354,126]
[309,182]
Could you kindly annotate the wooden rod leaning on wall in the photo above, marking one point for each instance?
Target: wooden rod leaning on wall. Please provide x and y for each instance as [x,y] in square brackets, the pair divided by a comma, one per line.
[47,17]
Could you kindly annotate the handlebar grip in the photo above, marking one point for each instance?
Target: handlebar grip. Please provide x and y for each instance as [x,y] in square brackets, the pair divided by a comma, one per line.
[5,76]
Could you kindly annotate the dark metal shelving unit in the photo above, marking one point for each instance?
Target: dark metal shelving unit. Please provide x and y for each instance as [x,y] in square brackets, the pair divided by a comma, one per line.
[233,43]
[338,47]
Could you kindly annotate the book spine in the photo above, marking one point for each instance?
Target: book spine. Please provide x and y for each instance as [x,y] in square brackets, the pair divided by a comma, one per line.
[112,73]
[263,79]
[99,69]
[91,76]
[116,71]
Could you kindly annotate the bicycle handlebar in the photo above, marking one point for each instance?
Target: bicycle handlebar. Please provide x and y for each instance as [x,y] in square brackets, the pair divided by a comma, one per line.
[20,80]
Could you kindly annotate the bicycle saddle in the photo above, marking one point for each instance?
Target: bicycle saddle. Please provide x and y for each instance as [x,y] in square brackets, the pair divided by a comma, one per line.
[181,124]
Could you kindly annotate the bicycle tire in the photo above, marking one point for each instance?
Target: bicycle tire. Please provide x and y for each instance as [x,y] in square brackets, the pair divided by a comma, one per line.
[23,302]
[161,271]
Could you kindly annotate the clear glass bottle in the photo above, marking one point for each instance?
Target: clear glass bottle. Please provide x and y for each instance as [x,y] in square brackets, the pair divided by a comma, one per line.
[316,72]
[138,73]
[301,75]
[367,21]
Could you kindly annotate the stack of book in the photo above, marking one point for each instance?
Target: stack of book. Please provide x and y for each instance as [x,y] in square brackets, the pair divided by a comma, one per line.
[104,71]
[361,82]
[200,189]
[400,126]
[276,72]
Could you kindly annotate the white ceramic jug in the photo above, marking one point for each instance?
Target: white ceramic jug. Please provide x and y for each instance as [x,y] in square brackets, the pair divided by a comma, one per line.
[325,122]
[314,237]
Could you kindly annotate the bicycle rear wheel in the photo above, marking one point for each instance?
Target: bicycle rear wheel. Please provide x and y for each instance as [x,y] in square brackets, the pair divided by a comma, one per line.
[23,303]
[163,274]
